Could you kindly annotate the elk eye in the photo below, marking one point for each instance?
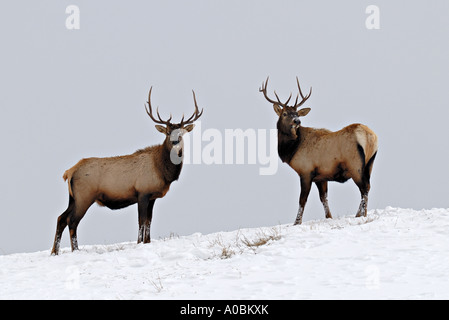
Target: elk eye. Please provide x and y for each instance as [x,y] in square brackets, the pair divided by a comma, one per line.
[285,114]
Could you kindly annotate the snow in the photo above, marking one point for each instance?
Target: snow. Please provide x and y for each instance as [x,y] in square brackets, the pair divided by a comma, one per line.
[390,254]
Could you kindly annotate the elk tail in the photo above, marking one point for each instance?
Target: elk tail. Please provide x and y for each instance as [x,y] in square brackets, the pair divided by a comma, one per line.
[67,176]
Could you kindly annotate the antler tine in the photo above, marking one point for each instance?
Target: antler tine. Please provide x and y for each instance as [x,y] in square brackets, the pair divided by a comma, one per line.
[196,114]
[149,103]
[288,99]
[278,102]
[159,116]
[196,106]
[264,85]
[299,88]
[304,99]
[150,111]
[194,100]
[264,91]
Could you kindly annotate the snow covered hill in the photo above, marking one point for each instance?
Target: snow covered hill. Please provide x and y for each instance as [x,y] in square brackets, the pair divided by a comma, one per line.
[391,254]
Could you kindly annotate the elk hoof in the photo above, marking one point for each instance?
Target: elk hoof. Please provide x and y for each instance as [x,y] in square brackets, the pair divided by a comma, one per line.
[360,214]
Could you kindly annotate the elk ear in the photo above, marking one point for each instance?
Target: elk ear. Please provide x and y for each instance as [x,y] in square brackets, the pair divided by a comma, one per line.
[277,109]
[189,127]
[161,129]
[303,112]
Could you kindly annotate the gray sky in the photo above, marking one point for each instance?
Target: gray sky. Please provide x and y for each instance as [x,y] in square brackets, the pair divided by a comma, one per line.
[71,94]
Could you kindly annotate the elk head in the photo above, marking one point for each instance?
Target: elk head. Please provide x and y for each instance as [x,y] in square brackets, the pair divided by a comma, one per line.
[174,131]
[289,121]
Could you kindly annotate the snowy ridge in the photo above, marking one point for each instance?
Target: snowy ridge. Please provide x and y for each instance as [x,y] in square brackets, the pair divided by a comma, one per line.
[391,254]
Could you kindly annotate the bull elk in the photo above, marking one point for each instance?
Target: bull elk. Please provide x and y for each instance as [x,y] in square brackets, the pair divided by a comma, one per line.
[320,155]
[118,182]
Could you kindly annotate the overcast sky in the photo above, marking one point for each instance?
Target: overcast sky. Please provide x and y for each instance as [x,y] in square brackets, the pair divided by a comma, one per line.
[71,94]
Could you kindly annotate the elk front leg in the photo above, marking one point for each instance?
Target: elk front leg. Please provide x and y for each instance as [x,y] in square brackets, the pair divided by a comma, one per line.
[145,208]
[306,184]
[322,189]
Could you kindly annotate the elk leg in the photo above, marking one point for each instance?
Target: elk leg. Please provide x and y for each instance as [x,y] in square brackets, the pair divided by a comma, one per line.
[60,226]
[322,189]
[149,217]
[306,184]
[74,219]
[364,188]
[145,207]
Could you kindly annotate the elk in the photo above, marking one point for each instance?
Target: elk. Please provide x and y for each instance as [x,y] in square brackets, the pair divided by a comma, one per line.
[320,155]
[118,182]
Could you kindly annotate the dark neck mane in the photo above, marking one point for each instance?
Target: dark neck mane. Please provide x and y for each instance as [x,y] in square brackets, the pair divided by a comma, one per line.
[287,145]
[169,170]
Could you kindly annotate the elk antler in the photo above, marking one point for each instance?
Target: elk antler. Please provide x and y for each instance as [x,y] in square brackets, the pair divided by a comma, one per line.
[196,114]
[263,89]
[304,99]
[150,112]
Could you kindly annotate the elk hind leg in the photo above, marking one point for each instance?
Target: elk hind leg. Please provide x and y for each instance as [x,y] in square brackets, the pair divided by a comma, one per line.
[61,224]
[364,190]
[74,219]
[322,190]
[365,186]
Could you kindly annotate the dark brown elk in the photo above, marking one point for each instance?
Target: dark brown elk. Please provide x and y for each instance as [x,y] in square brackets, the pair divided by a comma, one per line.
[118,182]
[320,155]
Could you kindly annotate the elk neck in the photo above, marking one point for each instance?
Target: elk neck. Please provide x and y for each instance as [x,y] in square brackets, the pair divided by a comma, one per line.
[288,144]
[170,171]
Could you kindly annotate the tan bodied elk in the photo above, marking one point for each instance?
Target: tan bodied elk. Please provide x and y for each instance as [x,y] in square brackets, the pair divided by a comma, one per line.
[118,182]
[320,155]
